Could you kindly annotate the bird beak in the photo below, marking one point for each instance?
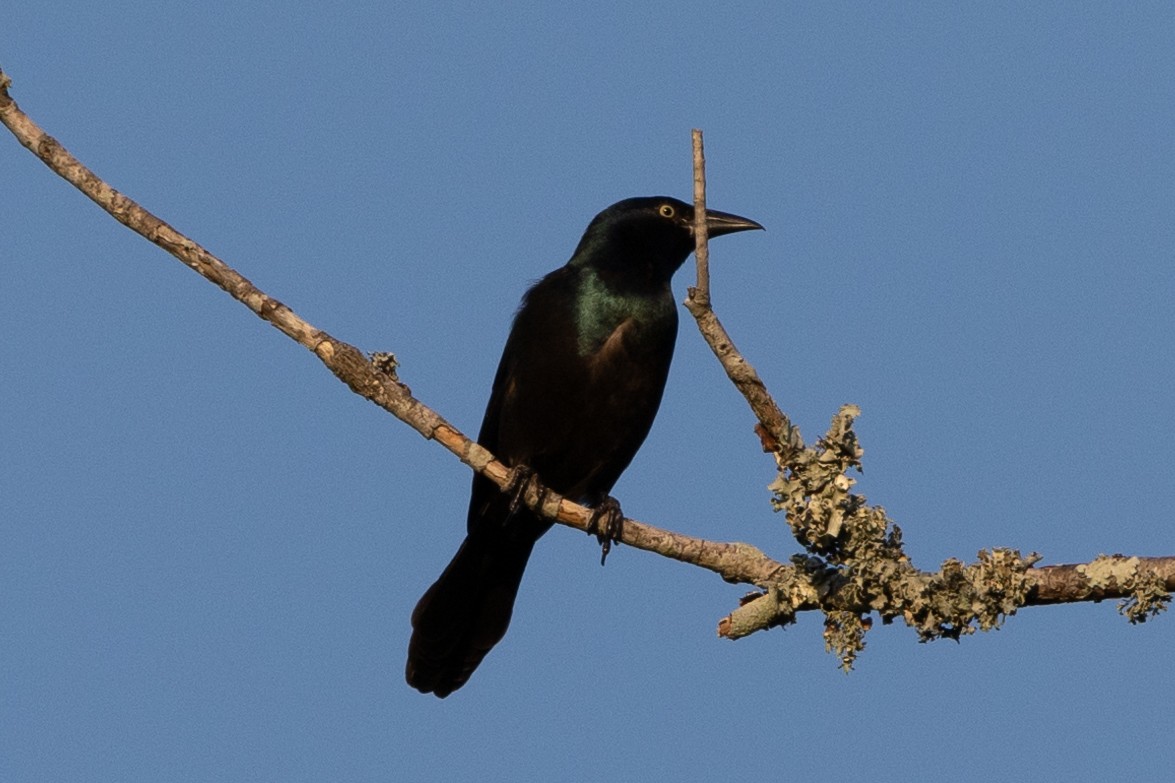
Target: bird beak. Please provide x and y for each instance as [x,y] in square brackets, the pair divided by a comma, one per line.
[719,223]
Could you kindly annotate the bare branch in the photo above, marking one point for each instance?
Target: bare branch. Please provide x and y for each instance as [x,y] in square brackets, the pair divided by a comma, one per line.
[374,379]
[700,294]
[775,429]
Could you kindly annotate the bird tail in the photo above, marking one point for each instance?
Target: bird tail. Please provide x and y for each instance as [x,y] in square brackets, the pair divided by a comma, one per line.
[466,611]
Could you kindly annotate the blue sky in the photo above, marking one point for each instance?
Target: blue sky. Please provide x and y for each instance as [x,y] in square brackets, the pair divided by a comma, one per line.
[209,548]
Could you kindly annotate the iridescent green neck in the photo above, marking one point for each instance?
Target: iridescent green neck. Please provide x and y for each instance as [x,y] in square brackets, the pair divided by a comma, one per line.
[600,309]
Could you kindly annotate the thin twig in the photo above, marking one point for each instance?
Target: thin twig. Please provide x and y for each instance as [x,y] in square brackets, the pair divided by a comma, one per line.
[700,293]
[776,430]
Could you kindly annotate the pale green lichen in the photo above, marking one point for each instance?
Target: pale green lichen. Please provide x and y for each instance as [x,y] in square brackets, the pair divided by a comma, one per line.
[1148,594]
[856,561]
[962,598]
[844,635]
[1109,571]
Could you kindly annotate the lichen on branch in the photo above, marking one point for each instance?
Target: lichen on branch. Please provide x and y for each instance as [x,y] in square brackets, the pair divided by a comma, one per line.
[854,555]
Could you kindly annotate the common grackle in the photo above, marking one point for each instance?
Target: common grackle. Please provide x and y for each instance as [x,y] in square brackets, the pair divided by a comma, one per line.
[575,394]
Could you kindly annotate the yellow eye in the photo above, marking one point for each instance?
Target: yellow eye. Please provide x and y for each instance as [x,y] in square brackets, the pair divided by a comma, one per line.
[667,211]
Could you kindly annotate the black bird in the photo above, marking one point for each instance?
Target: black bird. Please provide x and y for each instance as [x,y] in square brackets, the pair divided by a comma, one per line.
[575,394]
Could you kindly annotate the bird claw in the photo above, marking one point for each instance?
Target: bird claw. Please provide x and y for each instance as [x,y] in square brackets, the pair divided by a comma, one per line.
[606,523]
[521,479]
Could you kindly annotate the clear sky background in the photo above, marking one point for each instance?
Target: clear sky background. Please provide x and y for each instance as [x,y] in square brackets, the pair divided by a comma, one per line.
[210,548]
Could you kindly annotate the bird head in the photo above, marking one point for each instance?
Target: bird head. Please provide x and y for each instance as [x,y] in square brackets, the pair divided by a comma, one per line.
[647,239]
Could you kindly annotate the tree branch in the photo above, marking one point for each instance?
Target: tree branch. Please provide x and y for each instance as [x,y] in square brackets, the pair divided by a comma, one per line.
[856,564]
[831,579]
[374,379]
[775,429]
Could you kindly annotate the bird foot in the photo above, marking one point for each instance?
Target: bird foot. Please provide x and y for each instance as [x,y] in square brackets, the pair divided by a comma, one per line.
[606,523]
[521,479]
